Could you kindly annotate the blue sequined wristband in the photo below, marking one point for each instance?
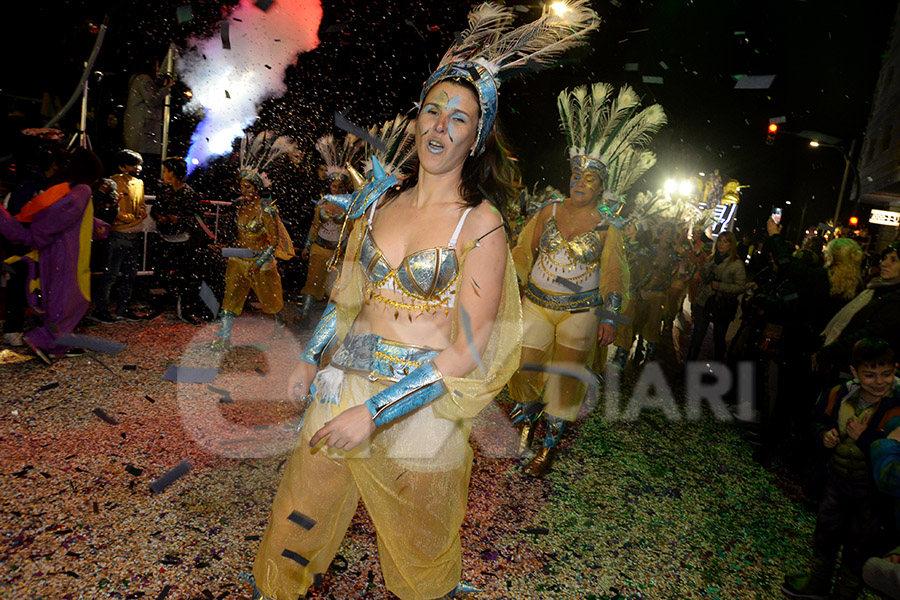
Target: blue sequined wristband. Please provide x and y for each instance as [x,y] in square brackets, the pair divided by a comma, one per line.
[322,337]
[420,387]
[264,256]
[613,303]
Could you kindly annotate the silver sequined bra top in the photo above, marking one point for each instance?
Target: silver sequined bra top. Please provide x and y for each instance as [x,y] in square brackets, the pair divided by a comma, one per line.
[428,277]
[576,260]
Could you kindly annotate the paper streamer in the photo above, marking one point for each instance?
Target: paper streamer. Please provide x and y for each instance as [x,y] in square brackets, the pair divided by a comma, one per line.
[170,476]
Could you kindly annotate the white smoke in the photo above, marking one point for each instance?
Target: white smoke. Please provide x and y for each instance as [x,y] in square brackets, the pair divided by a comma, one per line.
[230,84]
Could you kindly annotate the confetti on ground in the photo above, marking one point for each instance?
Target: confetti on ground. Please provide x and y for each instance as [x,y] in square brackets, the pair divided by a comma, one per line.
[650,508]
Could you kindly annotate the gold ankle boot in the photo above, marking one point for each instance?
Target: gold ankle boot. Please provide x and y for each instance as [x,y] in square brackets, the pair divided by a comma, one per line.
[526,436]
[541,463]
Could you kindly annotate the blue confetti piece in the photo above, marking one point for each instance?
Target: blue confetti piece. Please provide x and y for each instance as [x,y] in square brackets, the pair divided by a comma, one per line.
[171,476]
[190,374]
[470,339]
[91,342]
[569,285]
[341,122]
[612,316]
[209,299]
[238,253]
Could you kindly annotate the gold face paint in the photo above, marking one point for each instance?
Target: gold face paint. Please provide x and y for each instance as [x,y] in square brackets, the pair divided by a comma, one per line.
[446,103]
[585,183]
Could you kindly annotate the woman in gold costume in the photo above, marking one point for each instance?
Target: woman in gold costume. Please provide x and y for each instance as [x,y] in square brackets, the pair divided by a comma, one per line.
[261,233]
[326,234]
[571,262]
[425,328]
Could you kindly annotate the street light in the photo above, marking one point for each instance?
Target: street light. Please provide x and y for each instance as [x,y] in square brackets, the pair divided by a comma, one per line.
[848,164]
[560,8]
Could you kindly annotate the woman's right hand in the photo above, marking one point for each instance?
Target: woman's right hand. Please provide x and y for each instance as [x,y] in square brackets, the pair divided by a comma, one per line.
[299,381]
[304,254]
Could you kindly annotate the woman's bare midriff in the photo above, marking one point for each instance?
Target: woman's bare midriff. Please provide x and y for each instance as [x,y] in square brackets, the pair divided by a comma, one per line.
[419,328]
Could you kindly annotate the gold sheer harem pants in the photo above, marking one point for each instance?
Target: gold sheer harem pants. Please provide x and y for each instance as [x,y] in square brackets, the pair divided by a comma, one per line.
[412,476]
[266,283]
[560,338]
[317,272]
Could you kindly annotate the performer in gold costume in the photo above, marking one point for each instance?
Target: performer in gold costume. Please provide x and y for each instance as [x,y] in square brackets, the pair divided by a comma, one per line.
[261,232]
[570,260]
[327,234]
[425,327]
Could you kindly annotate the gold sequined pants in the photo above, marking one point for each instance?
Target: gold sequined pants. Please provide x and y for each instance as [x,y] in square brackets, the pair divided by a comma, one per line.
[417,503]
[559,338]
[266,283]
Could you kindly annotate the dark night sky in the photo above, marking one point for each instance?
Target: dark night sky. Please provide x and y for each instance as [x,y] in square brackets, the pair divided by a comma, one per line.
[825,55]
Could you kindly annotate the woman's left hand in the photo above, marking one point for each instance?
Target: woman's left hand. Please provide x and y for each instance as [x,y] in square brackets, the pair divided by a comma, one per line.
[606,335]
[715,285]
[347,430]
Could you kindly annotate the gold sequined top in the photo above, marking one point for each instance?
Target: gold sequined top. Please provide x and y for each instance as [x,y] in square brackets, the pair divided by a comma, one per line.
[255,229]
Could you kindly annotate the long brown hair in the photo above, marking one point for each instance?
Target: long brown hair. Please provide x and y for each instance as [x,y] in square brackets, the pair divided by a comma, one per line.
[490,175]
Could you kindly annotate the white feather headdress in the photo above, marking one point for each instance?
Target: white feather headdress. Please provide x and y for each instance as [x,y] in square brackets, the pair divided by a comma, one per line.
[258,152]
[338,155]
[610,135]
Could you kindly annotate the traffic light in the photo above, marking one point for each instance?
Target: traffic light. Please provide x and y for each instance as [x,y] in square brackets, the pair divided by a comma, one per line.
[854,221]
[770,136]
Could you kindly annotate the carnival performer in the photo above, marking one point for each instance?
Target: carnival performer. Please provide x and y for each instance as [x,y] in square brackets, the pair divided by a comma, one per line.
[259,231]
[652,269]
[425,328]
[326,234]
[571,261]
[62,225]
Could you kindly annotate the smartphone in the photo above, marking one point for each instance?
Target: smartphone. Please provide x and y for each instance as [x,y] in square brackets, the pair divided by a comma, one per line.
[776,215]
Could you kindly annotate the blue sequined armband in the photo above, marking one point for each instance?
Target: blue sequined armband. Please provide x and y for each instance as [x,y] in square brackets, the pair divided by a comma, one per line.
[420,387]
[613,304]
[322,337]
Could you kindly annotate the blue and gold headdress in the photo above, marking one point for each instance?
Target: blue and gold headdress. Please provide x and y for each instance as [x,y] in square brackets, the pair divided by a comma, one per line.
[488,52]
